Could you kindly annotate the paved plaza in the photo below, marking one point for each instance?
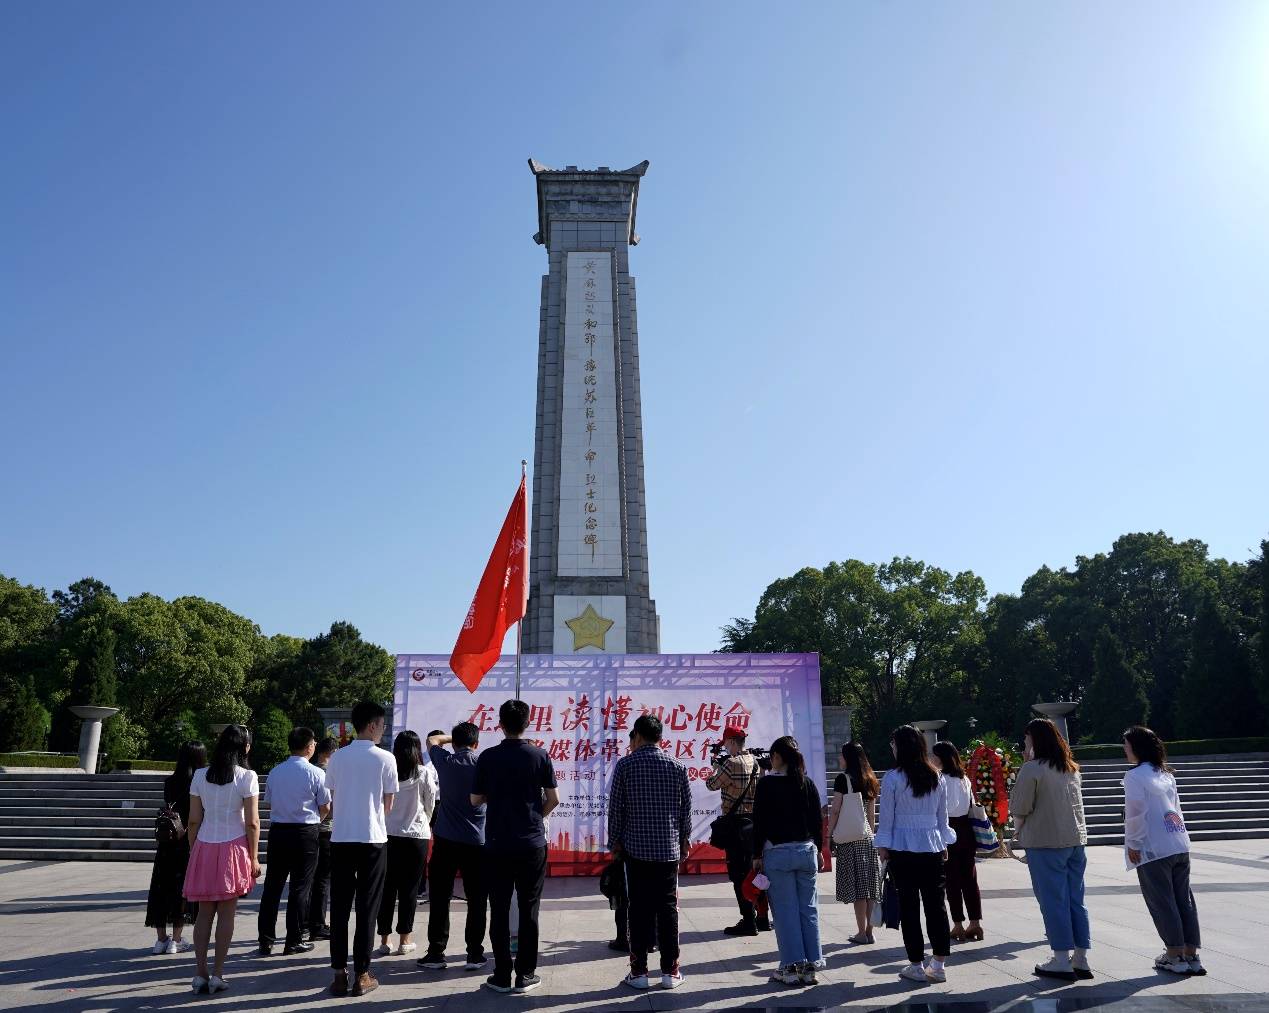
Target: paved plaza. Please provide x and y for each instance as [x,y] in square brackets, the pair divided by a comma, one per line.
[73,939]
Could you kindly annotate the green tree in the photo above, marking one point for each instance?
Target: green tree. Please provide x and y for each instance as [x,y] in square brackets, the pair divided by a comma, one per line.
[27,657]
[187,654]
[28,627]
[85,643]
[335,669]
[1117,696]
[95,681]
[1218,695]
[26,721]
[269,738]
[892,638]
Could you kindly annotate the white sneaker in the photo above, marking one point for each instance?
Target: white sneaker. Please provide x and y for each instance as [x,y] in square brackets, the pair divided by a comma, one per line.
[672,980]
[915,972]
[199,985]
[474,965]
[935,974]
[215,985]
[639,981]
[170,946]
[160,946]
[383,950]
[1196,966]
[1174,965]
[406,948]
[183,946]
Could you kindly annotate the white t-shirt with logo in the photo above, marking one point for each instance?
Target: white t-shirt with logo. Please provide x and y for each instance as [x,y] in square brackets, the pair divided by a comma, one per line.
[1153,823]
[358,776]
[223,818]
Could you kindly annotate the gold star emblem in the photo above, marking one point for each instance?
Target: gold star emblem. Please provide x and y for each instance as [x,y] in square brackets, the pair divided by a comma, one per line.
[589,629]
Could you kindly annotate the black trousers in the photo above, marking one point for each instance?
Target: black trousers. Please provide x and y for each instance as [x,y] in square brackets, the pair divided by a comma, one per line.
[524,873]
[356,879]
[739,862]
[320,896]
[450,858]
[962,877]
[407,857]
[292,853]
[919,878]
[653,892]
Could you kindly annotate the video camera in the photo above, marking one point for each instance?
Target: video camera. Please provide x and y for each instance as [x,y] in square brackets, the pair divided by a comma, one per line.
[717,753]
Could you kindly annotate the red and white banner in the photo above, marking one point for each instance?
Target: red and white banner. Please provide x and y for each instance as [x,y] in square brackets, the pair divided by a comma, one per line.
[582,709]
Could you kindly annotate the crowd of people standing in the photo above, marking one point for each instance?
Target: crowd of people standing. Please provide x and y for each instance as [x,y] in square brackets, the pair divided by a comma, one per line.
[358,825]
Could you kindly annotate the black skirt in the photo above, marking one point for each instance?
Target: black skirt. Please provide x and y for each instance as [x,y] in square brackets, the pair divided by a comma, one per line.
[166,904]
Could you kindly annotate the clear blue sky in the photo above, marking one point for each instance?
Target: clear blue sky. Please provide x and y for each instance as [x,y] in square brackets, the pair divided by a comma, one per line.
[983,284]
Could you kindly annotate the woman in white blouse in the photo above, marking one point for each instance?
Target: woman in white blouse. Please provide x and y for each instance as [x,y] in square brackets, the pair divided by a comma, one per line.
[912,837]
[224,826]
[409,834]
[1157,845]
[962,877]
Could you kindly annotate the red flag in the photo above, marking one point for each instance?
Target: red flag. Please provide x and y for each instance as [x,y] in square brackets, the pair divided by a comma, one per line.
[501,600]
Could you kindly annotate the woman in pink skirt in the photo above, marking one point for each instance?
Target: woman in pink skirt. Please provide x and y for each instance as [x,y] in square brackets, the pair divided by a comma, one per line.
[224,825]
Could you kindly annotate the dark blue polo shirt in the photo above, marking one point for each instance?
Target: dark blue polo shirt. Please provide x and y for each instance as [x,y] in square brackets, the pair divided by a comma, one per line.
[456,818]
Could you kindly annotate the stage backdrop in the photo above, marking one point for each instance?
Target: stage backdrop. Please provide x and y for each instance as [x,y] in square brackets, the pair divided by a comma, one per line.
[582,709]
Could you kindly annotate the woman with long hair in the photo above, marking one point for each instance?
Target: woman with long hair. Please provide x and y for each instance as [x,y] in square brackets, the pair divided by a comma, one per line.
[913,836]
[1048,817]
[409,834]
[962,877]
[165,904]
[858,869]
[1157,845]
[224,826]
[788,824]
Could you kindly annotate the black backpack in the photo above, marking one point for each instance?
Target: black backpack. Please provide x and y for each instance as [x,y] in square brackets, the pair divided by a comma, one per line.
[168,825]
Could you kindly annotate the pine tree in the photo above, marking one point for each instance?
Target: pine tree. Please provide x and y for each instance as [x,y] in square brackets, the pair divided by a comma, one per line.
[95,681]
[1116,698]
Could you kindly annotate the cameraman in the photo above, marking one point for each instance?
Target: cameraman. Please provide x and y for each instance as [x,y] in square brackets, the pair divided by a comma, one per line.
[736,775]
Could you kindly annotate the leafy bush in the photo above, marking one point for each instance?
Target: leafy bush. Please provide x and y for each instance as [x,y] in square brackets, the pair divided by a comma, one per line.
[38,760]
[1185,747]
[124,766]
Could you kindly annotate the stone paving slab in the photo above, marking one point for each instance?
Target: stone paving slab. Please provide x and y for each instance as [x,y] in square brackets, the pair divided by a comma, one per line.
[72,938]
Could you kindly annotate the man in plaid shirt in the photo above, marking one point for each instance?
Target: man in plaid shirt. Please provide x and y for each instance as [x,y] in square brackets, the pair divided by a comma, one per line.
[736,775]
[649,821]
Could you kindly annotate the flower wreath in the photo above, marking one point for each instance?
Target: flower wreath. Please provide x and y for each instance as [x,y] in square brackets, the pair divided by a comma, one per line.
[988,774]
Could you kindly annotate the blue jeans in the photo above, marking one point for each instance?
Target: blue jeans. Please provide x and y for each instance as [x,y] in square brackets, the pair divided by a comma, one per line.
[795,902]
[1057,877]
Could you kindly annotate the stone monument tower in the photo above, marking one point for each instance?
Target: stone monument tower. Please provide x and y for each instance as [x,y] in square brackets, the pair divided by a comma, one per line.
[588,570]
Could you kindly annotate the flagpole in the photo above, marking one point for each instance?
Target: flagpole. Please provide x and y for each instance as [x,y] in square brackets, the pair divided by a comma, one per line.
[524,472]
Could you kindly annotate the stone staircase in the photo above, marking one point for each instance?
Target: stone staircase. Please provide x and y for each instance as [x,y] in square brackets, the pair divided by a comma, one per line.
[1223,798]
[55,817]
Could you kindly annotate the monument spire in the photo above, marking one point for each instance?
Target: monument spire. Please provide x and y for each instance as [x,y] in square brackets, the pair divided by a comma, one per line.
[589,587]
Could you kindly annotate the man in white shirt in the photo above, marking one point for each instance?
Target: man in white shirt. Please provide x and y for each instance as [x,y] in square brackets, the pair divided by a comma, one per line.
[362,778]
[298,800]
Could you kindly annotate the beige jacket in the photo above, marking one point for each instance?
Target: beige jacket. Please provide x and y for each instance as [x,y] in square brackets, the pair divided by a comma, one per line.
[1047,807]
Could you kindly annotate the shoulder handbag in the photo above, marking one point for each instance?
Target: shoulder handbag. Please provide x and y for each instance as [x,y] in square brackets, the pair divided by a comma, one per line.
[985,839]
[734,830]
[852,821]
